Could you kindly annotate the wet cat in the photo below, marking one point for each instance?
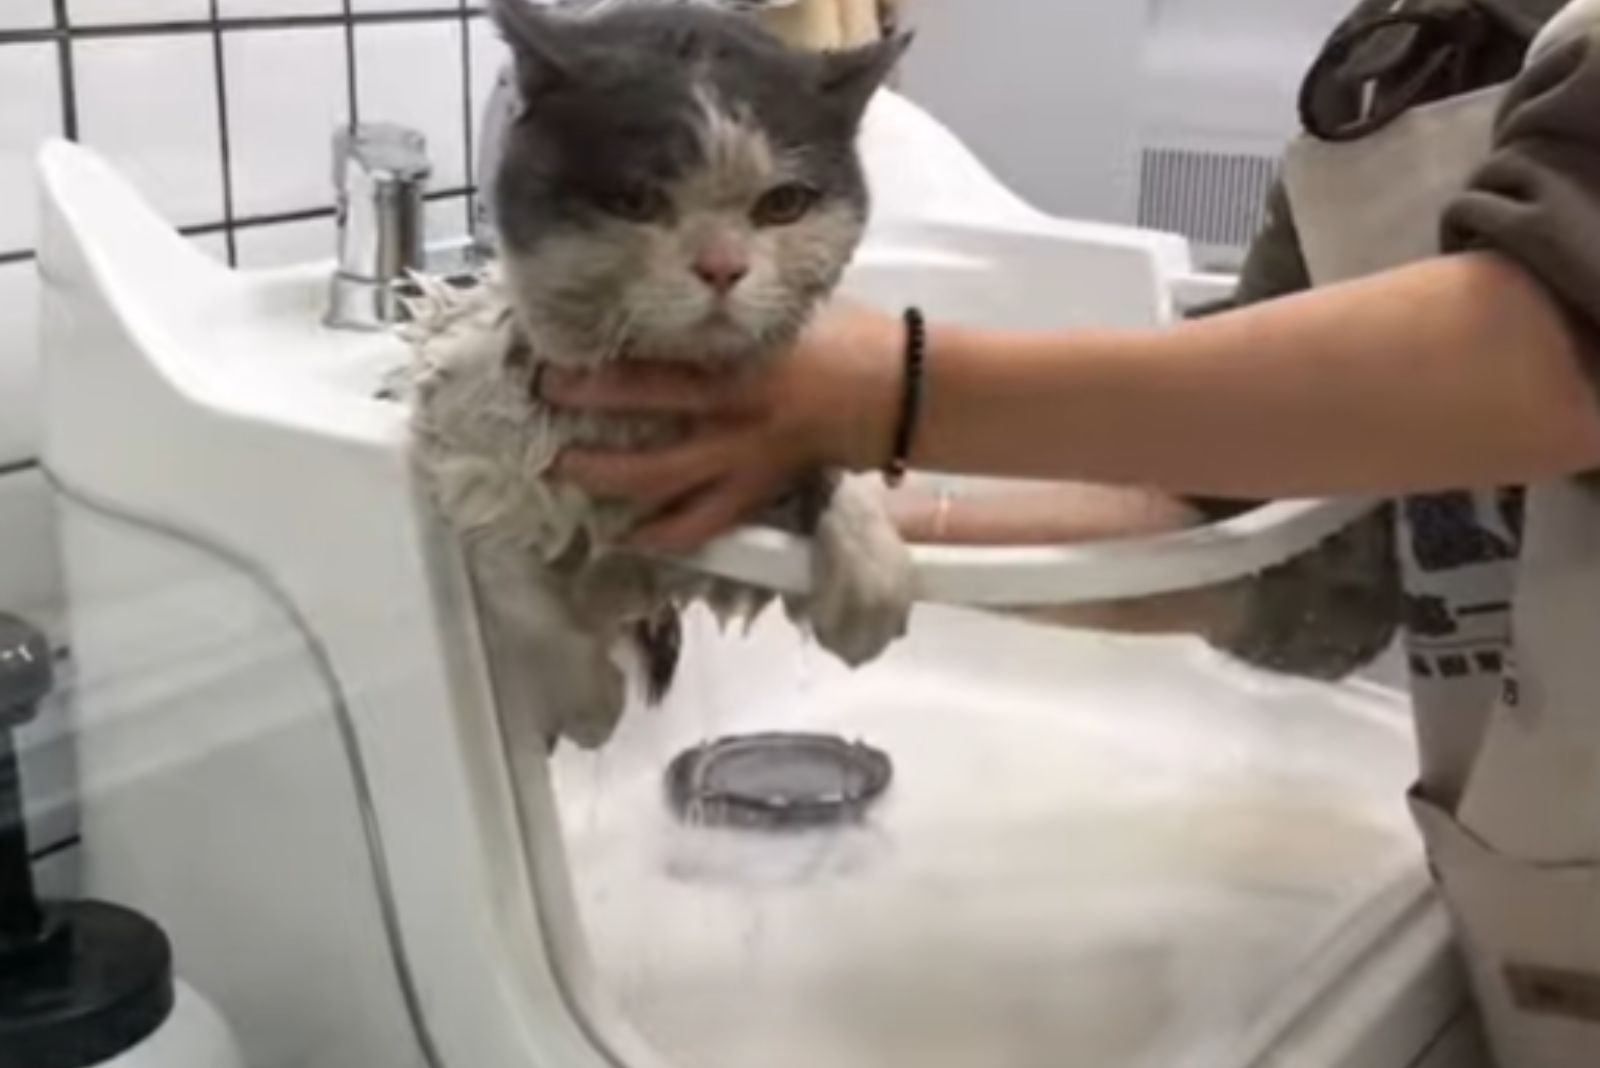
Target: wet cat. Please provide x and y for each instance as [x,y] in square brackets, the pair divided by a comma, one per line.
[677,185]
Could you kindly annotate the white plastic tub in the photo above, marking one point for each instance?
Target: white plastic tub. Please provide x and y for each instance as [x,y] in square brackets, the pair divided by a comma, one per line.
[1128,852]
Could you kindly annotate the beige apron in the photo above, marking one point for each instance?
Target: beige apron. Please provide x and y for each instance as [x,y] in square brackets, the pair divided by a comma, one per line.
[1509,802]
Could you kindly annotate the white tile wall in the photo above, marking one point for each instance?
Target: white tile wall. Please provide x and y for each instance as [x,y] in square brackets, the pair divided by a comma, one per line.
[284,243]
[123,12]
[282,127]
[398,5]
[166,136]
[489,56]
[387,88]
[447,220]
[19,371]
[235,9]
[25,14]
[30,88]
[30,573]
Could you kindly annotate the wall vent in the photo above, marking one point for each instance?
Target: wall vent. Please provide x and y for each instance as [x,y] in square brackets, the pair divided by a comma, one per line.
[1217,200]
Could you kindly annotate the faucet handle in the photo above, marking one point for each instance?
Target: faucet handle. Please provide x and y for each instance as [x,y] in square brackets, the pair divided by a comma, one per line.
[380,153]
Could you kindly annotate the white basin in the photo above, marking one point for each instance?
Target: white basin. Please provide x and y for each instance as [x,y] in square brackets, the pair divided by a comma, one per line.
[290,752]
[1122,852]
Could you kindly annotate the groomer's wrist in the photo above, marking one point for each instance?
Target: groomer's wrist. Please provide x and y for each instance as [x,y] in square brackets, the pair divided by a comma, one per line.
[856,428]
[888,405]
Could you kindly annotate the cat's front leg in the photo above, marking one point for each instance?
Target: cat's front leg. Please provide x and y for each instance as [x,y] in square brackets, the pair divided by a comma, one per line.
[543,661]
[863,583]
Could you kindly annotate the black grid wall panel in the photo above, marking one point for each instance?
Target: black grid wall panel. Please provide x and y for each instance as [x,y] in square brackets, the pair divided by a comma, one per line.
[70,36]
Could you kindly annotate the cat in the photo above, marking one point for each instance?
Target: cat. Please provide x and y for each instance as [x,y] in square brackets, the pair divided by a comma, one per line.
[678,185]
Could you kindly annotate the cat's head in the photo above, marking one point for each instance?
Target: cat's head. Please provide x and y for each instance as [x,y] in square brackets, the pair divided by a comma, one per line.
[678,184]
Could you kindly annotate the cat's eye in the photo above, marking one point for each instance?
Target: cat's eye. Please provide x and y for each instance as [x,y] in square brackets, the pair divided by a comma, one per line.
[785,205]
[635,203]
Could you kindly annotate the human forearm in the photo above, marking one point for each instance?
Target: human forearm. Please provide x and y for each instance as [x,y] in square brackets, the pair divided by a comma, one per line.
[1348,584]
[1071,513]
[1458,371]
[1454,372]
[1053,514]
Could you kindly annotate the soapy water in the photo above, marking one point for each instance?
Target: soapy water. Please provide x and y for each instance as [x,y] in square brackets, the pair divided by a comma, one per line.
[1096,851]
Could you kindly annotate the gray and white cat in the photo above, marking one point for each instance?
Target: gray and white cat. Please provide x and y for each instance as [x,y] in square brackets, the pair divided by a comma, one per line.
[678,185]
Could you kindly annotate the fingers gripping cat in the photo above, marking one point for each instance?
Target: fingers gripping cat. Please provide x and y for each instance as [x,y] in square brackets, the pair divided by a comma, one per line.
[677,185]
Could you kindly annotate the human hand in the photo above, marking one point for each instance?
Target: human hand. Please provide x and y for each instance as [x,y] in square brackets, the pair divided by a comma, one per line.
[1033,514]
[829,403]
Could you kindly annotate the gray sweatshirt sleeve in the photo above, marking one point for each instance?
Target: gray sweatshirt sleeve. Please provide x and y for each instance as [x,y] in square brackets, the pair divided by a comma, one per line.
[1537,199]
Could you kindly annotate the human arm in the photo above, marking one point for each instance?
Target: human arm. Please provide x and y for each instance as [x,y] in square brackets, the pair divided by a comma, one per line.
[1537,200]
[1457,371]
[1454,372]
[1066,514]
[1059,513]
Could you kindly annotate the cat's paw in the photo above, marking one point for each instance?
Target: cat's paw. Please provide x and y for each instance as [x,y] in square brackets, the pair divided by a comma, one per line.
[586,710]
[546,667]
[864,583]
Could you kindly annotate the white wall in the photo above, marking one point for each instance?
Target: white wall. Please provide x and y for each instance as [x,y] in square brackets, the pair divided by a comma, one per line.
[1060,97]
[1226,74]
[1046,92]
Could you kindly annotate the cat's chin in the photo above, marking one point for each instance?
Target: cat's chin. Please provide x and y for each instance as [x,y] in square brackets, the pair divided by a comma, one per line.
[713,342]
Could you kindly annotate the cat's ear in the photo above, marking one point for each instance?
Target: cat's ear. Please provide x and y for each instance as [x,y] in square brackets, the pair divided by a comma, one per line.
[851,78]
[539,43]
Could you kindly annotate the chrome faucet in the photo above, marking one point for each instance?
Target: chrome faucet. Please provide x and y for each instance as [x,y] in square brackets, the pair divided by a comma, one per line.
[380,172]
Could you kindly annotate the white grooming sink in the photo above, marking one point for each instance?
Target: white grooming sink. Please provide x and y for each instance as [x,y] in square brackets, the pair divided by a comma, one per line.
[1130,854]
[1122,852]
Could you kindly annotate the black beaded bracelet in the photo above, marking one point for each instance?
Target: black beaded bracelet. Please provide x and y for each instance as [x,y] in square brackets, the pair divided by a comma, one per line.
[905,434]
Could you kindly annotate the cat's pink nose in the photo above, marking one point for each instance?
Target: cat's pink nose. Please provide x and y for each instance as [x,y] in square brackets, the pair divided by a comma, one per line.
[722,267]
